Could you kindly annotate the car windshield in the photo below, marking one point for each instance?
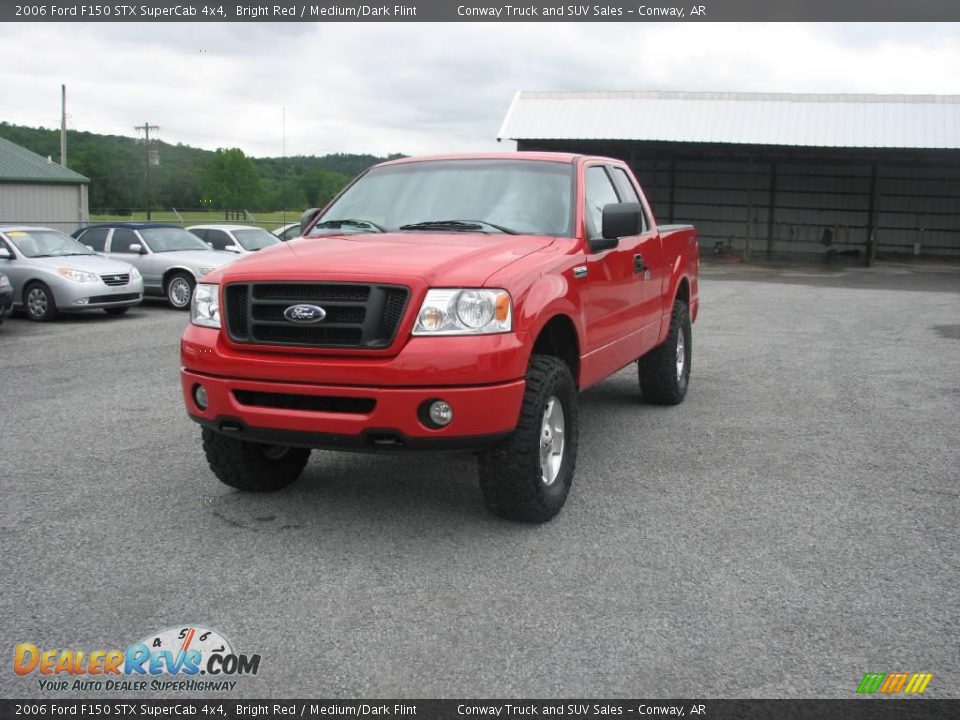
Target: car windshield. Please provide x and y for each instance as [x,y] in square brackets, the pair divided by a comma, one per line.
[523,196]
[255,239]
[170,239]
[46,243]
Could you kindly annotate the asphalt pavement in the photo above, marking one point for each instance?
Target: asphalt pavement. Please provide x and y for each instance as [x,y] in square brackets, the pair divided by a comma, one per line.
[790,527]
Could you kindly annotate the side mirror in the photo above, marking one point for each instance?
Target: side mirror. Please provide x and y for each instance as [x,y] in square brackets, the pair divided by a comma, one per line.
[136,249]
[307,217]
[621,220]
[209,244]
[5,254]
[233,248]
[90,248]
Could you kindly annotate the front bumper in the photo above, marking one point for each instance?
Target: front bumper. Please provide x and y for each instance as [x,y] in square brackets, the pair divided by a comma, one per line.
[71,296]
[388,418]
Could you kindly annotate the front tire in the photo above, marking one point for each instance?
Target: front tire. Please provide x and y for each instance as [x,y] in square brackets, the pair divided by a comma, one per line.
[528,477]
[251,466]
[179,290]
[39,303]
[665,371]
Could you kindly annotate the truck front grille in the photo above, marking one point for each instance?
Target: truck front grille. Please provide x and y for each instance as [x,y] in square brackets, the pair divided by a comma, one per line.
[356,315]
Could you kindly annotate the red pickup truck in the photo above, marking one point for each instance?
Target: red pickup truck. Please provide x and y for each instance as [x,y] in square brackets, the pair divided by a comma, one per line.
[443,303]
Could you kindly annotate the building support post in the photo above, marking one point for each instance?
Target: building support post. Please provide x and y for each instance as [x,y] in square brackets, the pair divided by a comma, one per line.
[871,252]
[771,208]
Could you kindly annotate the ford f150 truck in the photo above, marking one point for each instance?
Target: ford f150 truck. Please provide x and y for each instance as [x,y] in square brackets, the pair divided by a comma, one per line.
[443,303]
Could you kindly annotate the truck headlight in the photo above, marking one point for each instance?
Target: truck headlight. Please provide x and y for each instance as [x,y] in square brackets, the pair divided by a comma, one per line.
[464,311]
[205,306]
[77,275]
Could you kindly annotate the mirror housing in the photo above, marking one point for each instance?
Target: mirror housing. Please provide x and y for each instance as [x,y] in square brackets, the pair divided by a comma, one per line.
[233,247]
[622,220]
[5,254]
[308,217]
[136,249]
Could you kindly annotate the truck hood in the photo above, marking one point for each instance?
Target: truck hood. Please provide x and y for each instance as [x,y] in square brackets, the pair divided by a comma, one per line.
[436,258]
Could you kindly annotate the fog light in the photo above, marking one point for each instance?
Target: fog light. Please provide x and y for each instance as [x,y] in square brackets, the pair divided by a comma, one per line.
[200,396]
[440,413]
[82,301]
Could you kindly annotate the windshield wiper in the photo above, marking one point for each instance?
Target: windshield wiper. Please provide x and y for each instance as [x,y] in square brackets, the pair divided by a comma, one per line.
[456,226]
[348,221]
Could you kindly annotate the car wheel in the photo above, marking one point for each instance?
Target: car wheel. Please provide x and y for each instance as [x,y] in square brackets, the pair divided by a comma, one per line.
[116,311]
[252,466]
[38,302]
[179,290]
[528,477]
[665,371]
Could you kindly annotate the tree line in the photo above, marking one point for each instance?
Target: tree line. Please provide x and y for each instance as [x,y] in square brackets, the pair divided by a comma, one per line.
[189,177]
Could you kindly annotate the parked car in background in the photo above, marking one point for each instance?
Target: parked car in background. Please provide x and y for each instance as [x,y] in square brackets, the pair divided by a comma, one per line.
[170,259]
[53,273]
[288,231]
[242,239]
[6,297]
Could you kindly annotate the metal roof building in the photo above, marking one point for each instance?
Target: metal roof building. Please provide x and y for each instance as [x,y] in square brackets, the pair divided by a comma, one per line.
[35,190]
[773,173]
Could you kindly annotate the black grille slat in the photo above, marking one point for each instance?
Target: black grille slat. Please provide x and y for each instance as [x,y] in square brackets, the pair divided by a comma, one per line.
[302,335]
[237,317]
[356,316]
[312,293]
[115,280]
[120,297]
[335,314]
[313,403]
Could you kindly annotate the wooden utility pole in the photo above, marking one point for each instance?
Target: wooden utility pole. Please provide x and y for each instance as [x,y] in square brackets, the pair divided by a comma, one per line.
[146,128]
[63,125]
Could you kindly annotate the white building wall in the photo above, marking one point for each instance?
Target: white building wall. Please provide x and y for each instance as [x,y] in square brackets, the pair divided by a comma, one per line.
[62,207]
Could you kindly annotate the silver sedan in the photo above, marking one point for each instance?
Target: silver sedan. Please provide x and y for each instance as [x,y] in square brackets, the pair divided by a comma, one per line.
[171,259]
[52,273]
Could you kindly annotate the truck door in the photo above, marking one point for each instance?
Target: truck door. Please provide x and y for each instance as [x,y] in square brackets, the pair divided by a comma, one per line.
[649,270]
[611,289]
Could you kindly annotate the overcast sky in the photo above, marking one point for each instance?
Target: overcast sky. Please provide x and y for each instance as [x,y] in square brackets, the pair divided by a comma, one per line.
[421,88]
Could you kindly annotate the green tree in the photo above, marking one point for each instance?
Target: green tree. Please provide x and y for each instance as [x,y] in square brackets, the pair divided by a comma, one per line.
[230,180]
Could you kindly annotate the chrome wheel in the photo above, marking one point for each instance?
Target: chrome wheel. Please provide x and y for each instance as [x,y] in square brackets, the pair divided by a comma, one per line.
[179,292]
[551,441]
[37,302]
[681,355]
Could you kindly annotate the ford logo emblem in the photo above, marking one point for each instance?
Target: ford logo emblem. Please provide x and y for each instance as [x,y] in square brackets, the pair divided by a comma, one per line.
[304,314]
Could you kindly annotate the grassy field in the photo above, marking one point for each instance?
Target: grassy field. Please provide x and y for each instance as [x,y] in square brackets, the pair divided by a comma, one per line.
[197,217]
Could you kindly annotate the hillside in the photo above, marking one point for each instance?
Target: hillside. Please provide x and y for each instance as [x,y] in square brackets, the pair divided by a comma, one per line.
[115,165]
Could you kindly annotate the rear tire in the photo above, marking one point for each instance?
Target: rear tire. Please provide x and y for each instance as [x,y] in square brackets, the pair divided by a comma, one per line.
[116,311]
[39,303]
[528,477]
[179,290]
[665,371]
[251,466]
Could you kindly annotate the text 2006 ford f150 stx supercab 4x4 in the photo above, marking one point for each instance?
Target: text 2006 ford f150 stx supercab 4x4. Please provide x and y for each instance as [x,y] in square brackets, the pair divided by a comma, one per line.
[444,303]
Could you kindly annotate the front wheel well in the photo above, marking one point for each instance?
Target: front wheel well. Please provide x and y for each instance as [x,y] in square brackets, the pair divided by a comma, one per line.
[558,338]
[175,271]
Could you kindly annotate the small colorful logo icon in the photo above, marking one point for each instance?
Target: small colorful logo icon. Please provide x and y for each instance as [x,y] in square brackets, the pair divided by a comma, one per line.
[184,651]
[893,683]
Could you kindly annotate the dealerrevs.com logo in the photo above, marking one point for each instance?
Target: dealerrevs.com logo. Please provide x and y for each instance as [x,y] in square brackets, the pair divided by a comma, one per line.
[174,659]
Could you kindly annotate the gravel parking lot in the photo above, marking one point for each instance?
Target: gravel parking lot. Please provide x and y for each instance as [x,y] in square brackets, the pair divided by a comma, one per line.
[790,527]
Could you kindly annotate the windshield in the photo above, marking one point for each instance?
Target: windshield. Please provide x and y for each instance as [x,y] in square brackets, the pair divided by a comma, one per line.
[255,239]
[170,239]
[46,243]
[515,195]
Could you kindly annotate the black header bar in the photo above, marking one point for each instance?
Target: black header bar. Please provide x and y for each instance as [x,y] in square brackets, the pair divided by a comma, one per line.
[641,11]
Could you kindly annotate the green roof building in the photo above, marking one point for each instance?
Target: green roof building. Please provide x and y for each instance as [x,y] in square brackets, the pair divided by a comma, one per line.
[37,191]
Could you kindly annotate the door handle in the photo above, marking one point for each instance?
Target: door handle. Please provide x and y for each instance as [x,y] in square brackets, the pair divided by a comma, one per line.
[638,265]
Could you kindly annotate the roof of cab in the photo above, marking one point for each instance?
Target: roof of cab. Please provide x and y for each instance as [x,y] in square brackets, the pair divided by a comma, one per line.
[525,155]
